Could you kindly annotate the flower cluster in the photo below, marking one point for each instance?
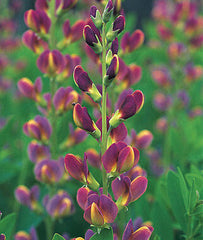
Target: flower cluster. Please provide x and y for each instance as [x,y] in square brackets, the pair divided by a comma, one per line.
[45,150]
[180,72]
[119,155]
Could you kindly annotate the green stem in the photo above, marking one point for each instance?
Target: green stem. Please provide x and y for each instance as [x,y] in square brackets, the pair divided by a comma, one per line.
[104,124]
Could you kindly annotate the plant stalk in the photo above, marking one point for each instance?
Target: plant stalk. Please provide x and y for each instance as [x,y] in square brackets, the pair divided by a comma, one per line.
[104,123]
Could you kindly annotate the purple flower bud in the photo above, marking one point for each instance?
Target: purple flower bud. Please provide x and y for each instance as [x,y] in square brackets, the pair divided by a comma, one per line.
[89,36]
[162,101]
[93,11]
[112,70]
[93,158]
[83,120]
[41,5]
[119,24]
[114,46]
[78,169]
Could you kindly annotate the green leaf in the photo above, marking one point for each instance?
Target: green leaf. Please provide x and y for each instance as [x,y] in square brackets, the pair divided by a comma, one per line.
[7,225]
[176,199]
[106,234]
[184,189]
[57,237]
[193,197]
[162,222]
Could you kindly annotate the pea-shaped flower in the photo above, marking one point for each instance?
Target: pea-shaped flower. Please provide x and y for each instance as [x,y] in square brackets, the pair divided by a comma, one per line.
[142,233]
[28,197]
[130,105]
[33,42]
[48,171]
[85,84]
[59,205]
[51,62]
[100,210]
[37,20]
[64,98]
[38,152]
[126,191]
[30,90]
[120,158]
[78,169]
[83,120]
[130,43]
[39,128]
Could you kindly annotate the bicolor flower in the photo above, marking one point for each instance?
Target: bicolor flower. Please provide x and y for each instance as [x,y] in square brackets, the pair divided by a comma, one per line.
[135,172]
[51,62]
[82,195]
[85,84]
[39,128]
[38,152]
[41,5]
[67,4]
[60,205]
[162,76]
[130,105]
[117,28]
[142,233]
[64,98]
[75,137]
[92,39]
[70,62]
[112,70]
[28,197]
[33,42]
[100,210]
[96,17]
[83,120]
[74,33]
[22,235]
[30,90]
[37,20]
[78,169]
[120,158]
[128,75]
[126,191]
[48,171]
[130,43]
[142,140]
